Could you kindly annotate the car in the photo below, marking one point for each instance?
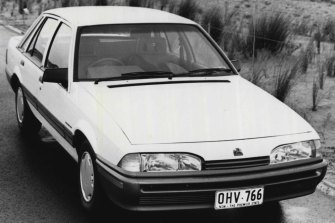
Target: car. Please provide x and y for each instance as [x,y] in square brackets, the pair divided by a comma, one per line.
[155,114]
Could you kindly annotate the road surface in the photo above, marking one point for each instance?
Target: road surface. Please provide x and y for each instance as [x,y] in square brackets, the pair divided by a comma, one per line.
[37,183]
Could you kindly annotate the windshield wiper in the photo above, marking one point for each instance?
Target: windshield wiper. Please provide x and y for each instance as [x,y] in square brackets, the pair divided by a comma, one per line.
[137,75]
[208,72]
[146,74]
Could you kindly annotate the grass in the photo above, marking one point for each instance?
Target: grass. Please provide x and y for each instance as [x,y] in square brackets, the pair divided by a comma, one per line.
[302,28]
[163,4]
[306,56]
[172,6]
[260,68]
[189,9]
[271,33]
[284,81]
[329,66]
[141,3]
[213,23]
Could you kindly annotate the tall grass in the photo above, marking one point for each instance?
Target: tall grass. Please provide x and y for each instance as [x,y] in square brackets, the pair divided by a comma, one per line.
[302,28]
[260,68]
[135,3]
[306,56]
[284,80]
[163,4]
[142,3]
[329,66]
[271,32]
[189,9]
[212,22]
[328,31]
[172,6]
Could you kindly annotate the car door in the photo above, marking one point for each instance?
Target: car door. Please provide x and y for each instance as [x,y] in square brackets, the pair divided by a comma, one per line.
[31,61]
[55,98]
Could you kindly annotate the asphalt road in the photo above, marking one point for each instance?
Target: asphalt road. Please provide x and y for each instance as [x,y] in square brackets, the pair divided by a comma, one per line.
[37,183]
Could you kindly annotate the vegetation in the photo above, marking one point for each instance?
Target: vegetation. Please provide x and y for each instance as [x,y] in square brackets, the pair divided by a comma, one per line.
[271,32]
[213,23]
[284,81]
[306,56]
[141,3]
[329,66]
[189,9]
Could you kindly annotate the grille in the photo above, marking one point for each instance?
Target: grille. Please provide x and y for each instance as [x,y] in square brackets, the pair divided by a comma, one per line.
[237,163]
[172,199]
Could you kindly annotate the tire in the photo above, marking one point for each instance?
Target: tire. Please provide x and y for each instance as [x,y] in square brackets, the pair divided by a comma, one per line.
[89,187]
[27,122]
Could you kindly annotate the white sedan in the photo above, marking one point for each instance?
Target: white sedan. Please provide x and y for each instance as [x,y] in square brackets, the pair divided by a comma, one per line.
[155,114]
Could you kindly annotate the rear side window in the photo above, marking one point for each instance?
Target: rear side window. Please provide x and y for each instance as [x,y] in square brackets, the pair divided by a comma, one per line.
[59,51]
[40,41]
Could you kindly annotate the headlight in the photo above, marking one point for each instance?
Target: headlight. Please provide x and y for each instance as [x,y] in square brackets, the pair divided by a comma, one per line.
[295,151]
[160,162]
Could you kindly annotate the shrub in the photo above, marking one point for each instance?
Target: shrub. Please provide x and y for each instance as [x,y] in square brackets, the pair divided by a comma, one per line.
[213,23]
[284,80]
[188,9]
[270,33]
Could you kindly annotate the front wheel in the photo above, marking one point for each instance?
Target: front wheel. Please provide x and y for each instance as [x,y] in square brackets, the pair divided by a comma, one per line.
[89,188]
[27,122]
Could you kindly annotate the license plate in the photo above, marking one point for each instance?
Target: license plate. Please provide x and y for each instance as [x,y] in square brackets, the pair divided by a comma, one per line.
[237,198]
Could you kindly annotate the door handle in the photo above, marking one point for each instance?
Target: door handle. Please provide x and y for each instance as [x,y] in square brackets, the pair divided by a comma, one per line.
[22,63]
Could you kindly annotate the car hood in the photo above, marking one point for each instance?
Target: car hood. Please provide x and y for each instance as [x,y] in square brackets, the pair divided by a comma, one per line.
[201,111]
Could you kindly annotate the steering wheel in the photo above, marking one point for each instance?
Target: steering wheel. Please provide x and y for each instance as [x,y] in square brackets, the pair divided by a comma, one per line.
[106,61]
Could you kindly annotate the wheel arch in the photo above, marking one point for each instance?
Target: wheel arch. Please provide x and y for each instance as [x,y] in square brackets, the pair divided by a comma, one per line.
[80,135]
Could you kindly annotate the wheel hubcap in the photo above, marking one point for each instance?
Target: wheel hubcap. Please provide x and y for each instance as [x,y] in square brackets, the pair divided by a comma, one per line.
[19,105]
[86,177]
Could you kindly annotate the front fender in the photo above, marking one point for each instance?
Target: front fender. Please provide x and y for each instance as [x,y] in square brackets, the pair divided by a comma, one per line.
[88,131]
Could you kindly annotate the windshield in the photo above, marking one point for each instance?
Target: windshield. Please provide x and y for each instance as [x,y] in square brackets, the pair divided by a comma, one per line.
[112,51]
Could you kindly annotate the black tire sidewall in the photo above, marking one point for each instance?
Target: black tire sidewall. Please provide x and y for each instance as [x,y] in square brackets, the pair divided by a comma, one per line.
[30,125]
[20,124]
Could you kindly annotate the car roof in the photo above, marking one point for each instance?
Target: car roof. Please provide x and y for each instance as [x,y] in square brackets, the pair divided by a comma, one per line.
[99,15]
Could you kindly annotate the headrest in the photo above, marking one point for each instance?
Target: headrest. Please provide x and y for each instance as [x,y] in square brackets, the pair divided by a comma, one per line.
[151,46]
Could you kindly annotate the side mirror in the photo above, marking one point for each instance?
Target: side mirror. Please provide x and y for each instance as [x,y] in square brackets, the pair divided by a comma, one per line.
[55,75]
[236,64]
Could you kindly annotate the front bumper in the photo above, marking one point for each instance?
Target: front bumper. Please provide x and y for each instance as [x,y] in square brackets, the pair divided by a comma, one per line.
[179,191]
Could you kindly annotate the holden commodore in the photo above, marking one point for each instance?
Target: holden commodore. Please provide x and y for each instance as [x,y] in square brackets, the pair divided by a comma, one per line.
[155,114]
